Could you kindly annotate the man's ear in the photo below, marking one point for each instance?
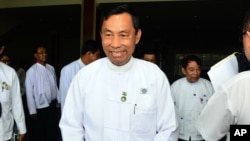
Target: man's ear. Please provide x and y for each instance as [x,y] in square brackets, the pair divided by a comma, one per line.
[248,33]
[1,49]
[183,71]
[88,53]
[138,36]
[35,55]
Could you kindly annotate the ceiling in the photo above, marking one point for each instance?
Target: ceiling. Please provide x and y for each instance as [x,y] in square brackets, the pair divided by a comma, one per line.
[203,23]
[204,26]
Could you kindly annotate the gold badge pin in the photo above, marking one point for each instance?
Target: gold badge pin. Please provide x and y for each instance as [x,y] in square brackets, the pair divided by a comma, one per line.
[123,98]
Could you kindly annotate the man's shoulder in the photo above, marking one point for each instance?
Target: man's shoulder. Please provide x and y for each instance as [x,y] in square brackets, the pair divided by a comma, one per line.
[32,67]
[204,80]
[50,66]
[73,63]
[206,83]
[97,63]
[93,68]
[178,81]
[242,76]
[6,68]
[69,65]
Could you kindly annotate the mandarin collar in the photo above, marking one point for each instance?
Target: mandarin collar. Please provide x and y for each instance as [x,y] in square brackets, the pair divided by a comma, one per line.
[194,83]
[122,68]
[81,62]
[41,65]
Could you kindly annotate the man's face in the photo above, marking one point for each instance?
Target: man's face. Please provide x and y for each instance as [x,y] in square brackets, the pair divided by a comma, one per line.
[41,55]
[95,56]
[119,38]
[5,59]
[192,71]
[149,57]
[246,44]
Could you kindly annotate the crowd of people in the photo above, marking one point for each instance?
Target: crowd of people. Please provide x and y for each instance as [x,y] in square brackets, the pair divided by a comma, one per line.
[119,96]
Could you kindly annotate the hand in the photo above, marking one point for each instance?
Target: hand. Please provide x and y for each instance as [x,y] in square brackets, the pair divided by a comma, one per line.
[21,137]
[33,116]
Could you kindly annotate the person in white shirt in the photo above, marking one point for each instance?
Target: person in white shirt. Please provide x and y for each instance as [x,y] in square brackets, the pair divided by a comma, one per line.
[229,105]
[119,97]
[11,106]
[190,94]
[21,73]
[89,52]
[229,90]
[243,58]
[5,59]
[42,92]
[236,62]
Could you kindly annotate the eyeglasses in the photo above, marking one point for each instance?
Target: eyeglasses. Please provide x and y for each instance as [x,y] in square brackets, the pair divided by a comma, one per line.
[42,53]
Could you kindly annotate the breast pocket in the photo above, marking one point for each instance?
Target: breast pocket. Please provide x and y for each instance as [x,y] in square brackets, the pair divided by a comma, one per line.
[144,120]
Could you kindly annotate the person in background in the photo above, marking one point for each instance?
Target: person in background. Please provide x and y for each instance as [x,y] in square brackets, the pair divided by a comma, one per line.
[229,105]
[236,62]
[89,52]
[21,73]
[190,95]
[41,93]
[119,97]
[243,58]
[150,53]
[5,59]
[11,106]
[19,70]
[149,56]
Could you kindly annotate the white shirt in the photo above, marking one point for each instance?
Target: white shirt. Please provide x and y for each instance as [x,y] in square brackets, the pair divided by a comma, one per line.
[228,106]
[94,110]
[41,86]
[21,75]
[11,101]
[190,99]
[67,74]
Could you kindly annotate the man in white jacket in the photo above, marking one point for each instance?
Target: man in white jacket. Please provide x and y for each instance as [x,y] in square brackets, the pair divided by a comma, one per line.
[11,107]
[90,52]
[119,97]
[229,105]
[41,93]
[190,94]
